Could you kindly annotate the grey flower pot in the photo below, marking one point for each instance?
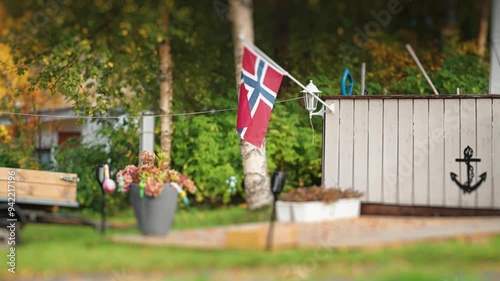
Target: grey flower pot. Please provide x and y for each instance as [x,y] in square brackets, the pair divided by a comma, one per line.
[154,214]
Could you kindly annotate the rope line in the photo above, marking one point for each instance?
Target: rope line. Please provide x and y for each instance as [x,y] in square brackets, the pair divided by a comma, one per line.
[212,111]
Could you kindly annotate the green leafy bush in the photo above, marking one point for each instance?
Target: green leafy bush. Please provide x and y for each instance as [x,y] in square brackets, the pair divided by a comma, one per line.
[206,147]
[466,72]
[290,146]
[119,147]
[80,158]
[7,159]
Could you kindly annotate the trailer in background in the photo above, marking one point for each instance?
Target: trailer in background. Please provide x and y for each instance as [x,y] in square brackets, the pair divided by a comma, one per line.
[30,196]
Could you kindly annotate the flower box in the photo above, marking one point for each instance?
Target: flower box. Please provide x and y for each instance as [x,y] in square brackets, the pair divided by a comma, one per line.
[308,211]
[284,211]
[317,211]
[318,204]
[343,208]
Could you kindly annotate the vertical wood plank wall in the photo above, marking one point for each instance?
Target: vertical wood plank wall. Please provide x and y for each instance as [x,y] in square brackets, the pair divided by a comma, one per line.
[401,150]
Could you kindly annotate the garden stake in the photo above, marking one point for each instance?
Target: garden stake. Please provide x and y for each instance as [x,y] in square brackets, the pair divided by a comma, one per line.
[277,184]
[99,174]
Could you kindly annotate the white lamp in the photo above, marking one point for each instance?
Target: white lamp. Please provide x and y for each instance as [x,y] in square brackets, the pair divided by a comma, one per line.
[310,101]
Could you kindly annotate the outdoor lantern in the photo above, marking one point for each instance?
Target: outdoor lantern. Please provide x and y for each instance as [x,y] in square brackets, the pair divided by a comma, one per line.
[310,101]
[100,176]
[277,183]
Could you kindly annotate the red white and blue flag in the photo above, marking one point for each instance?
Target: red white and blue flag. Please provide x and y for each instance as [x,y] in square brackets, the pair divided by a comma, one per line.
[260,82]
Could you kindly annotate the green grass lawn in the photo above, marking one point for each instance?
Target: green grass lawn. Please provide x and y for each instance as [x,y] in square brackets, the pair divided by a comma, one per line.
[61,250]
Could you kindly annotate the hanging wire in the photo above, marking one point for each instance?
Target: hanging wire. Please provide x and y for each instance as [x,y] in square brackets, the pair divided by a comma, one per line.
[212,111]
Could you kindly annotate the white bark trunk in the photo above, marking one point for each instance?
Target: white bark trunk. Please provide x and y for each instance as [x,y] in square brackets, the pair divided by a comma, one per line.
[166,93]
[257,183]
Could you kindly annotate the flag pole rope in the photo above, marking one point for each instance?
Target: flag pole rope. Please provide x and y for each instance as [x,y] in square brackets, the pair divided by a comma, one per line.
[274,64]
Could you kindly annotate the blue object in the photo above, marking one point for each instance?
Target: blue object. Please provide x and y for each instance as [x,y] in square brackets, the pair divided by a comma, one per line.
[345,89]
[185,200]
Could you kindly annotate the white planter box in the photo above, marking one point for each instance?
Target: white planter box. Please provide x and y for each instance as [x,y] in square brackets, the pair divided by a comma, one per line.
[343,208]
[284,211]
[317,211]
[308,211]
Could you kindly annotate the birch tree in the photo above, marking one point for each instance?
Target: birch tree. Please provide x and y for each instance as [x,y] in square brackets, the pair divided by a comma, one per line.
[166,89]
[257,183]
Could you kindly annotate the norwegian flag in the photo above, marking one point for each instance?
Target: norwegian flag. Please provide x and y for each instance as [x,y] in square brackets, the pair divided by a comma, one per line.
[259,87]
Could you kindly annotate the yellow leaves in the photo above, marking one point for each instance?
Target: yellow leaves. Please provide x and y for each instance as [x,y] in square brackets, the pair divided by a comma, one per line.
[125,28]
[28,162]
[5,20]
[9,80]
[467,47]
[4,135]
[159,38]
[85,45]
[143,32]
[109,65]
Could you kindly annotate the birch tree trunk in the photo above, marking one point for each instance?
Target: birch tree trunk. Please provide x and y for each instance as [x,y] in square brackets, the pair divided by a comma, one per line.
[166,91]
[257,183]
[483,28]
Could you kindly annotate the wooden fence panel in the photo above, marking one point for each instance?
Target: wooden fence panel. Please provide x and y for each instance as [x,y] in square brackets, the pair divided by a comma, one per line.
[451,151]
[467,138]
[375,127]
[484,151]
[405,148]
[495,141]
[421,151]
[331,148]
[390,152]
[360,181]
[436,153]
[346,149]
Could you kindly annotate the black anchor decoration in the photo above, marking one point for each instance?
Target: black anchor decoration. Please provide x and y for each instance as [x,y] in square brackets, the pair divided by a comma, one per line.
[468,187]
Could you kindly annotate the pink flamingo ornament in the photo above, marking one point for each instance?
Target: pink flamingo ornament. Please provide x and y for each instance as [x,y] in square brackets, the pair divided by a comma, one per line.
[108,185]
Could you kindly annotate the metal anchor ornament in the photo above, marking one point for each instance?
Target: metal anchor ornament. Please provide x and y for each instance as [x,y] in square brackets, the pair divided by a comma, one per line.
[468,187]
